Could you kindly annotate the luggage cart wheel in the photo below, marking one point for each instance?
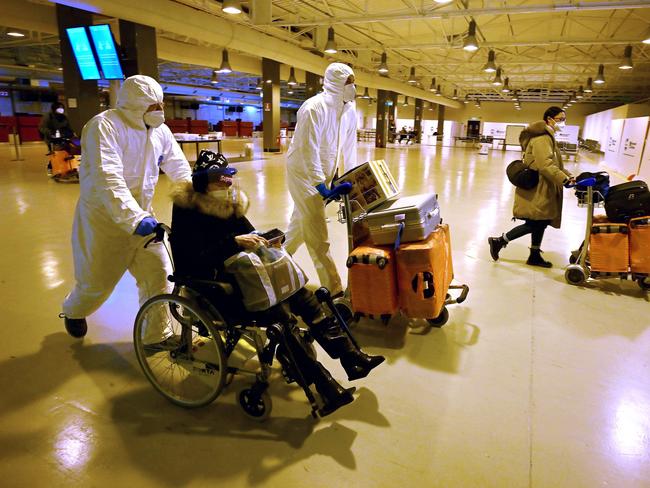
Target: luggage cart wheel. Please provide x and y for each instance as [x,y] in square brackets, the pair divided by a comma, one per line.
[441,319]
[644,283]
[575,275]
[256,406]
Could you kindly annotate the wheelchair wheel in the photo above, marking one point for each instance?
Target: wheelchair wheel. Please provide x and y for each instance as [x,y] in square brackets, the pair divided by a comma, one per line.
[190,368]
[256,406]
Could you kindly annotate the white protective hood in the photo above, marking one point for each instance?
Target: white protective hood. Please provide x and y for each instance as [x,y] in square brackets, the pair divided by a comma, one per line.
[334,80]
[135,96]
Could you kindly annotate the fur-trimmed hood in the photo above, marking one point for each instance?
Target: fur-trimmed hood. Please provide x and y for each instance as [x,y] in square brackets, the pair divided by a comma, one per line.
[533,130]
[184,195]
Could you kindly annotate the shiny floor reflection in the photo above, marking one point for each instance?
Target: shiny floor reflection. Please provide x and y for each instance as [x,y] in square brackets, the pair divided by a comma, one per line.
[531,383]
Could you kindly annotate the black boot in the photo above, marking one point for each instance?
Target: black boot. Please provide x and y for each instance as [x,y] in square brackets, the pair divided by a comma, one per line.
[337,344]
[536,259]
[75,327]
[496,244]
[334,396]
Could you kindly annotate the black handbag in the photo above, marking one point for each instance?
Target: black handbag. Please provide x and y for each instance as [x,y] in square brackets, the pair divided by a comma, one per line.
[521,175]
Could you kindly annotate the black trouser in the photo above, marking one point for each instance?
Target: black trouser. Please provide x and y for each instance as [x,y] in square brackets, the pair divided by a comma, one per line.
[535,228]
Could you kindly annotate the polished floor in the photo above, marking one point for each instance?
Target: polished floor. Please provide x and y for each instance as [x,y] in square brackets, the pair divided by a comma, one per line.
[532,383]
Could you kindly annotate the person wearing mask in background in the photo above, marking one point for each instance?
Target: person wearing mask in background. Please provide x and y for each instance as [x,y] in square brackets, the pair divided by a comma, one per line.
[326,132]
[540,206]
[123,151]
[55,124]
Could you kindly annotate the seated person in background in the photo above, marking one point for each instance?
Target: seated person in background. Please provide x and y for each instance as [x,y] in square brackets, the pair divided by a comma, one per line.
[403,135]
[208,226]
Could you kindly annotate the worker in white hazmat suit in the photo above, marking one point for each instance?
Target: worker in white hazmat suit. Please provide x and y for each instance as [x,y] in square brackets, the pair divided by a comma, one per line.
[325,138]
[123,150]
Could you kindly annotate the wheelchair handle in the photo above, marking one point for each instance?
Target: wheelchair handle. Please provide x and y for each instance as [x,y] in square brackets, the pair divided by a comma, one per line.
[159,234]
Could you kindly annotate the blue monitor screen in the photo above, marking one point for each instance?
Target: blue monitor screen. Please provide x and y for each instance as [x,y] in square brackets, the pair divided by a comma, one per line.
[83,53]
[106,52]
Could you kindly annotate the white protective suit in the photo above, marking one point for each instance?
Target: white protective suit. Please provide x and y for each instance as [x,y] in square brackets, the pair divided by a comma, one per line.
[325,137]
[120,163]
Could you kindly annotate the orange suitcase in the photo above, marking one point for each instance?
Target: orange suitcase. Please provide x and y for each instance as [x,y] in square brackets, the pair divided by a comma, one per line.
[371,279]
[609,248]
[62,162]
[640,245]
[424,272]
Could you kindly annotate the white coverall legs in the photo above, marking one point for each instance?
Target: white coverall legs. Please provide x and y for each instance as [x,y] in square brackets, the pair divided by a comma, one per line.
[100,261]
[308,225]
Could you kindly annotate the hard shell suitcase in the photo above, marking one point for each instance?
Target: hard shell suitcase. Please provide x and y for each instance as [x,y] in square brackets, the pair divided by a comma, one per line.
[609,248]
[640,245]
[627,200]
[410,219]
[372,185]
[424,273]
[371,279]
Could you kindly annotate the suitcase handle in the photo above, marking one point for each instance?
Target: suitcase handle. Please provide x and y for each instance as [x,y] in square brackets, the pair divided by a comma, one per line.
[639,222]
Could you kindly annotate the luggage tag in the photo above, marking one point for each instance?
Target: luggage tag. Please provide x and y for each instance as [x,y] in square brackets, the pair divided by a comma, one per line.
[401,218]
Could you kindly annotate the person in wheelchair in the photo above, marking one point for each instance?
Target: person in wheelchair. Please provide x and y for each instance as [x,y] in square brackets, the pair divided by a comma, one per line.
[209,225]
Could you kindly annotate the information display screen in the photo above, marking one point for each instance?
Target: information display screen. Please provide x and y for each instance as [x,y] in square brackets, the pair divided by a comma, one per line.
[83,53]
[106,52]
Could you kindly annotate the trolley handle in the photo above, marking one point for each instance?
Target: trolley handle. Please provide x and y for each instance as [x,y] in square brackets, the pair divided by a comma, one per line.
[159,233]
[587,182]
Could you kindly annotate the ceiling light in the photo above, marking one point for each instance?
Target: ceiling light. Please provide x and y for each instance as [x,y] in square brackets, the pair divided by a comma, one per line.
[430,107]
[443,1]
[15,33]
[432,87]
[225,64]
[366,95]
[412,76]
[455,97]
[478,103]
[490,66]
[330,47]
[214,80]
[506,86]
[517,107]
[589,88]
[515,96]
[292,78]
[626,63]
[466,100]
[289,91]
[600,77]
[497,78]
[470,43]
[646,37]
[383,67]
[231,7]
[406,101]
[580,93]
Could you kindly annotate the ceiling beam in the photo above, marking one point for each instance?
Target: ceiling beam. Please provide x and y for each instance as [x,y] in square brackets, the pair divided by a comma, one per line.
[470,12]
[498,44]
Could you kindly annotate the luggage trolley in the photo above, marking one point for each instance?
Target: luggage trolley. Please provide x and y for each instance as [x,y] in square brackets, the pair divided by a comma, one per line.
[344,304]
[580,268]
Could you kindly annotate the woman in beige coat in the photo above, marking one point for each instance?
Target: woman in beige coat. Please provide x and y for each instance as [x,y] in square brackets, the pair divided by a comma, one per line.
[540,206]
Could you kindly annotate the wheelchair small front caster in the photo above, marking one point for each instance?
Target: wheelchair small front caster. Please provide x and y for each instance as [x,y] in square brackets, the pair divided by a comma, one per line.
[255,405]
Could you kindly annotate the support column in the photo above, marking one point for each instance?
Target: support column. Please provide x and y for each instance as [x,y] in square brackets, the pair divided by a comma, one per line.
[312,84]
[441,121]
[381,131]
[138,43]
[82,96]
[417,119]
[271,104]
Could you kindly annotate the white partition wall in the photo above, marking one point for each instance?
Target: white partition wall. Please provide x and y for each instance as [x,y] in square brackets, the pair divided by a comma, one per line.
[625,144]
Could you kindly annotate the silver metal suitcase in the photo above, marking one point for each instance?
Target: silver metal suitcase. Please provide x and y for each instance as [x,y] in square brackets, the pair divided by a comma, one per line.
[417,214]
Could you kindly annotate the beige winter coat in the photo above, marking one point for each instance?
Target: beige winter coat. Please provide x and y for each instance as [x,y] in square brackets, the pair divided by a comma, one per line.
[541,153]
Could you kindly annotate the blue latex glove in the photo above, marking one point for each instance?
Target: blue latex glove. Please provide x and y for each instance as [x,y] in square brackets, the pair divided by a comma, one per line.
[336,191]
[146,226]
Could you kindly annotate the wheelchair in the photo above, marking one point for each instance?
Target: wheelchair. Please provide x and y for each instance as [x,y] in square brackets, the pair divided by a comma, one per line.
[193,367]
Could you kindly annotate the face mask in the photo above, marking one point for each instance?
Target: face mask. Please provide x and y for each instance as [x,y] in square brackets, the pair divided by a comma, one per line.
[559,126]
[155,118]
[60,111]
[349,92]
